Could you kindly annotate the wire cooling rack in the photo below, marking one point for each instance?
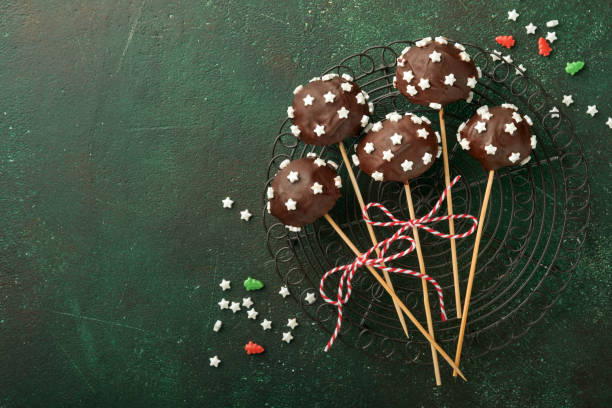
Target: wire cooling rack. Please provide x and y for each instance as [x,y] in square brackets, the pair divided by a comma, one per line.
[532,238]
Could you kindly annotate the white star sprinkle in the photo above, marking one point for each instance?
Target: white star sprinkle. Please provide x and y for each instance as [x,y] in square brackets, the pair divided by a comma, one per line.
[528,120]
[252,314]
[377,126]
[530,28]
[415,119]
[496,55]
[554,111]
[315,79]
[291,204]
[292,323]
[393,116]
[423,42]
[408,75]
[319,130]
[441,40]
[464,56]
[223,304]
[270,193]
[396,139]
[308,100]
[217,326]
[329,97]
[295,130]
[514,157]
[422,132]
[534,141]
[423,83]
[471,82]
[227,202]
[427,158]
[347,77]
[287,337]
[470,97]
[435,56]
[508,59]
[490,149]
[377,175]
[235,307]
[513,15]
[387,155]
[355,159]
[608,123]
[480,127]
[360,98]
[567,100]
[317,188]
[479,72]
[293,176]
[551,37]
[400,62]
[247,302]
[370,107]
[245,215]
[343,113]
[407,165]
[369,147]
[517,118]
[465,144]
[365,119]
[310,298]
[298,89]
[290,112]
[510,128]
[346,87]
[486,115]
[266,324]
[520,70]
[319,162]
[411,90]
[552,23]
[459,47]
[225,285]
[424,119]
[434,105]
[450,79]
[214,361]
[592,110]
[284,291]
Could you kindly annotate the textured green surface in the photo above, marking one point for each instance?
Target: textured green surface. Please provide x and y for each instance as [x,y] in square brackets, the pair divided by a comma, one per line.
[127,121]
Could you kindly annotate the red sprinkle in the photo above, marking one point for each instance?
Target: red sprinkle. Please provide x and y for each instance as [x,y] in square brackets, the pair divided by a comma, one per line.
[505,40]
[543,47]
[253,348]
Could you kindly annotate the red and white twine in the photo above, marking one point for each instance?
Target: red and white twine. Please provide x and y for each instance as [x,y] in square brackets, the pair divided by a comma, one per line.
[348,271]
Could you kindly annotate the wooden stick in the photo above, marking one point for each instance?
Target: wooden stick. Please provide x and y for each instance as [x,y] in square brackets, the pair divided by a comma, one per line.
[347,163]
[451,224]
[415,232]
[390,291]
[468,292]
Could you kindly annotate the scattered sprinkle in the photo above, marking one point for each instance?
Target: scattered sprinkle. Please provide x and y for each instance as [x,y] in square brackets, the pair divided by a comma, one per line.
[530,28]
[573,67]
[567,100]
[284,291]
[247,302]
[520,70]
[253,348]
[253,284]
[292,323]
[552,23]
[310,298]
[266,324]
[513,15]
[592,110]
[223,304]
[225,285]
[227,203]
[214,361]
[543,47]
[235,307]
[505,41]
[551,37]
[609,122]
[245,215]
[554,112]
[252,314]
[217,325]
[287,337]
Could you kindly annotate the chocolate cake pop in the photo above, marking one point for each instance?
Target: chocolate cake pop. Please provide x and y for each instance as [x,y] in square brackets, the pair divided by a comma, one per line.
[497,136]
[303,190]
[398,149]
[435,73]
[329,109]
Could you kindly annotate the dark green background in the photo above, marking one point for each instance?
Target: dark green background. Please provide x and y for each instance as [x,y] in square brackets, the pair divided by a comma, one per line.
[123,125]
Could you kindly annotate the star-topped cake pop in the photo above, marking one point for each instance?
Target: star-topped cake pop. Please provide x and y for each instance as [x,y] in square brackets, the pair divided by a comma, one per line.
[329,109]
[498,136]
[398,149]
[303,190]
[436,73]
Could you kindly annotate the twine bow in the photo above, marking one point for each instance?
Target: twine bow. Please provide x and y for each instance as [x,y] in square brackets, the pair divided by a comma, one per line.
[348,270]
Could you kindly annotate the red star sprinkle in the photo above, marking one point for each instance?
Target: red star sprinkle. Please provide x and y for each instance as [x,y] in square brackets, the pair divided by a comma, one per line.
[544,48]
[253,348]
[505,41]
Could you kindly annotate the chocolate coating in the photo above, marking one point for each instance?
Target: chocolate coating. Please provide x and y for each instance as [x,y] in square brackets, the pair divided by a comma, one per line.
[421,62]
[308,205]
[486,137]
[338,107]
[411,156]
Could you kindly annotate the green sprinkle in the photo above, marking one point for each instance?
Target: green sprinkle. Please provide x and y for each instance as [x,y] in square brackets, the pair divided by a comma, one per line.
[573,67]
[253,284]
